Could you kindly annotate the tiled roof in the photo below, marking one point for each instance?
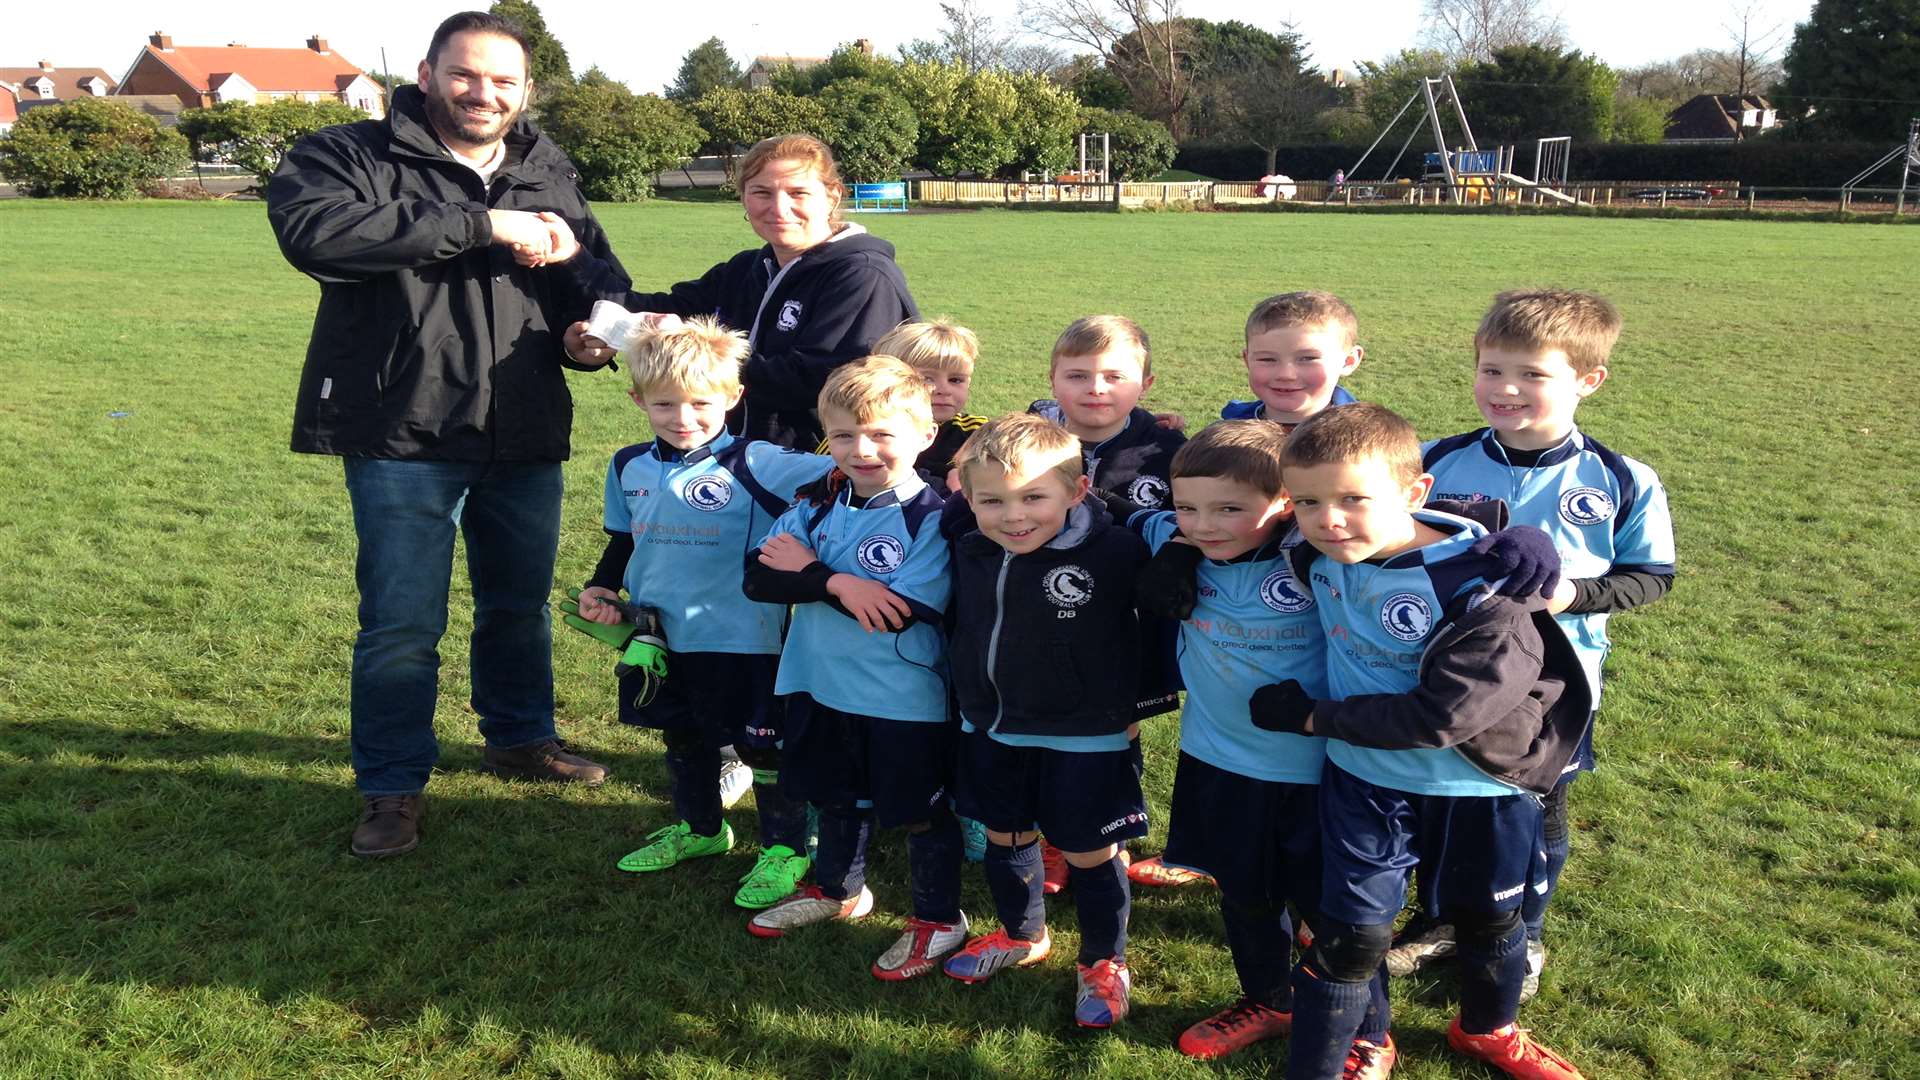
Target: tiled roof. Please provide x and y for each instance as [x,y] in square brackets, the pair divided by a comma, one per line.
[66,80]
[266,70]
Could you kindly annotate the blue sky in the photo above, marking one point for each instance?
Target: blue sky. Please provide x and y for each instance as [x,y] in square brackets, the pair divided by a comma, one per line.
[642,43]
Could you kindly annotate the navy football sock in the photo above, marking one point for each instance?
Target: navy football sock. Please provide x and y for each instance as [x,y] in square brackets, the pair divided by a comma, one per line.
[1014,877]
[1103,901]
[1558,842]
[1490,975]
[695,769]
[1326,1018]
[1260,937]
[782,821]
[840,864]
[1379,1018]
[933,861]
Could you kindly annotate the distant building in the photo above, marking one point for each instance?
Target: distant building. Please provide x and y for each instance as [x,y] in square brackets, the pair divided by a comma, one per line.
[1720,118]
[48,83]
[9,109]
[202,76]
[760,72]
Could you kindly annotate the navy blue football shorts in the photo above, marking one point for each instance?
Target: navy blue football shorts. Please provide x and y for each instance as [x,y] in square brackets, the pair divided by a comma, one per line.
[900,769]
[1260,839]
[1081,801]
[1480,851]
[728,696]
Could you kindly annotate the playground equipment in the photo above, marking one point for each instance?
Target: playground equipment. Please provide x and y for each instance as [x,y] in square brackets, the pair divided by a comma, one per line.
[1473,174]
[1910,163]
[879,198]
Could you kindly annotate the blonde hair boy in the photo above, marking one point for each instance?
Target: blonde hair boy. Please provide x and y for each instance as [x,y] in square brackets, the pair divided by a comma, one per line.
[1021,444]
[933,345]
[877,386]
[698,356]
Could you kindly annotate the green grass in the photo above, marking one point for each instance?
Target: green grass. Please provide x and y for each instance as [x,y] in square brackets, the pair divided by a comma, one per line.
[177,608]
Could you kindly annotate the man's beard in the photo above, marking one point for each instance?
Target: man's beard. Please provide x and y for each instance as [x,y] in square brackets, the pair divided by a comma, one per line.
[453,124]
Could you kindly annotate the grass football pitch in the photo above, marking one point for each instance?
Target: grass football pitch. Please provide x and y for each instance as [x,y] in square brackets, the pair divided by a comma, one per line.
[177,608]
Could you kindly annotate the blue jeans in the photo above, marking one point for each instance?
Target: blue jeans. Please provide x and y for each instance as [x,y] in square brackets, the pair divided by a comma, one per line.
[405,514]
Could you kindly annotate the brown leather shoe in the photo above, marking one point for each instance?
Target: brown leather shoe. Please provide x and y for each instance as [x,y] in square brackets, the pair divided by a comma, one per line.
[550,760]
[389,825]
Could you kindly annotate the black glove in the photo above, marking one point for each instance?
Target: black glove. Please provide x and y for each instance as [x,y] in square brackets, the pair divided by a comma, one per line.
[1118,506]
[1167,584]
[823,490]
[1525,557]
[1281,707]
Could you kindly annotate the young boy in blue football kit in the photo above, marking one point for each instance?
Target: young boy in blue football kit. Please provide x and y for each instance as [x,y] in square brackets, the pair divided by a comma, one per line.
[1046,653]
[1251,624]
[1299,345]
[867,740]
[1450,710]
[1538,355]
[680,512]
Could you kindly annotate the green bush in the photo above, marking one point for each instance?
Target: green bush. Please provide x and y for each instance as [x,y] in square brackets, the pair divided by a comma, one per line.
[89,149]
[872,130]
[256,137]
[734,118]
[618,139]
[1142,148]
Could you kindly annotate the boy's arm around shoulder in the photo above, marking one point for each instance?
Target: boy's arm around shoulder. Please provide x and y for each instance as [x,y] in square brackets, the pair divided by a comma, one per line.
[1468,683]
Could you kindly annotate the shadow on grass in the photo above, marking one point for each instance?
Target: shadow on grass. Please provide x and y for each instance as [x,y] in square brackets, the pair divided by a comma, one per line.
[184,858]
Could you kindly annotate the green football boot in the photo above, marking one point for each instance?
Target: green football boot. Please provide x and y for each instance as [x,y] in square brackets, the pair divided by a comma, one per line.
[773,878]
[674,845]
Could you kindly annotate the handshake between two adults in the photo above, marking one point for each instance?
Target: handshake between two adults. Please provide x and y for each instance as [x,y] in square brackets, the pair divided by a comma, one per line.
[536,239]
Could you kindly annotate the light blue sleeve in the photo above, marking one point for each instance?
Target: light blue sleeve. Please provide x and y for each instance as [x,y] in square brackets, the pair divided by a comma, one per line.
[1646,537]
[1156,527]
[925,576]
[614,512]
[783,471]
[793,521]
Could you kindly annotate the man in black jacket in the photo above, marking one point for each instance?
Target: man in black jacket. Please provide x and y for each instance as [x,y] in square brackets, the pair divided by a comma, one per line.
[434,370]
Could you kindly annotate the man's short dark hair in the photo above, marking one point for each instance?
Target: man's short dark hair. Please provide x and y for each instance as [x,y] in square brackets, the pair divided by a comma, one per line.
[479,22]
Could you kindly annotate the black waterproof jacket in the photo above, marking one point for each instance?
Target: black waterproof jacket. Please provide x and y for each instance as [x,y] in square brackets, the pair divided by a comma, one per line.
[429,342]
[1047,643]
[1136,464]
[1499,680]
[821,310]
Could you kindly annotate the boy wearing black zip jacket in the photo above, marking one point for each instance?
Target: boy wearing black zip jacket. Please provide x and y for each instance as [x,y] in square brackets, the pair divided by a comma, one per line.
[1045,651]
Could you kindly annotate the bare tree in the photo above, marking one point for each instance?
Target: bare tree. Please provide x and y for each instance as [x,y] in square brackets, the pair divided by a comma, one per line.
[1144,43]
[1473,29]
[1033,58]
[1750,52]
[970,38]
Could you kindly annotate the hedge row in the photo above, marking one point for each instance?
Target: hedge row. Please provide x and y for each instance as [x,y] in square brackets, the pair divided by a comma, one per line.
[1759,162]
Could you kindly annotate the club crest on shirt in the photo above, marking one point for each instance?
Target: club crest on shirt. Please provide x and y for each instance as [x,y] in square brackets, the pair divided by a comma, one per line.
[1068,586]
[1406,616]
[1147,491]
[1280,593]
[881,554]
[709,493]
[789,315]
[1586,506]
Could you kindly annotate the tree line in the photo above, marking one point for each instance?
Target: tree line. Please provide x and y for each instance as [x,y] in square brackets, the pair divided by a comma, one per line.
[985,100]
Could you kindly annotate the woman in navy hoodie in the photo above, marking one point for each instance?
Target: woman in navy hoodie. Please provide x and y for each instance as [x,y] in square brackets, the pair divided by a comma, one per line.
[818,295]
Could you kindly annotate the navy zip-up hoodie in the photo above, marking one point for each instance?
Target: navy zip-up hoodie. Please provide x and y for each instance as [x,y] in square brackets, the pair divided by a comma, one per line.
[821,310]
[1137,463]
[1047,643]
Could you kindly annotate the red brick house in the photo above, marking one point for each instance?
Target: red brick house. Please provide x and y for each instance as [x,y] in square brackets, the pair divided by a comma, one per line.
[9,111]
[205,75]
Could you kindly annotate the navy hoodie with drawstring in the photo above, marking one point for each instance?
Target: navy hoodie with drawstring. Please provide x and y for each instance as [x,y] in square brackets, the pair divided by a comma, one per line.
[1047,643]
[825,308]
